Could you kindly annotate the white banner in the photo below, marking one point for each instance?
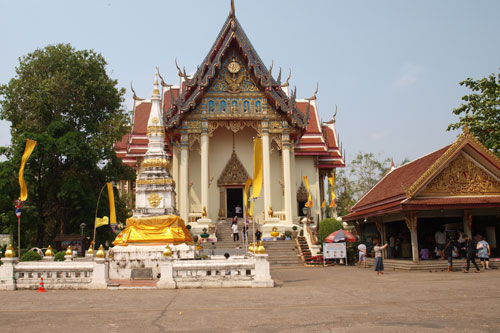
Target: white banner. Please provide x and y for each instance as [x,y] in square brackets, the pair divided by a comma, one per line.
[334,250]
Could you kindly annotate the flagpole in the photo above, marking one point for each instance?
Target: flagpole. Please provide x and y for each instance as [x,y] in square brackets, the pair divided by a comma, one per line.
[95,218]
[19,236]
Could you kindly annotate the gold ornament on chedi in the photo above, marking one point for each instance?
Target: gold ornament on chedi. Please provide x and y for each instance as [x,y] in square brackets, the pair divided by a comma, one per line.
[155,130]
[156,163]
[159,181]
[10,253]
[154,200]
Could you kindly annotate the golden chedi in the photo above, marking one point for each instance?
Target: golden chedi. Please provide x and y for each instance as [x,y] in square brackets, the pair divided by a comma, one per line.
[100,253]
[49,252]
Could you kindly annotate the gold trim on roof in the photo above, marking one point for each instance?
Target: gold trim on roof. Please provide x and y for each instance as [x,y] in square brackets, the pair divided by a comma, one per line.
[462,140]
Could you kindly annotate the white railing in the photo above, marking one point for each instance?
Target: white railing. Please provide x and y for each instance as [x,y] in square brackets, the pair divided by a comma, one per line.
[56,275]
[193,217]
[280,214]
[238,272]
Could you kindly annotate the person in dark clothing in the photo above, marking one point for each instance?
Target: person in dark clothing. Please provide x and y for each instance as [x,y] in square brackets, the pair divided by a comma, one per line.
[471,250]
[258,235]
[448,253]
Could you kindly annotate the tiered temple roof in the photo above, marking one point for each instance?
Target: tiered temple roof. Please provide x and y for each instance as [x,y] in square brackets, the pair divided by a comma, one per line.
[315,138]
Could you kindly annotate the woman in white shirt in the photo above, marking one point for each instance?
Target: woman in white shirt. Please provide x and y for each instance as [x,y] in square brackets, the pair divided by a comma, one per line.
[379,264]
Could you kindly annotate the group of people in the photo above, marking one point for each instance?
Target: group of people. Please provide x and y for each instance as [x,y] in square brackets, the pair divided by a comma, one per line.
[236,235]
[448,249]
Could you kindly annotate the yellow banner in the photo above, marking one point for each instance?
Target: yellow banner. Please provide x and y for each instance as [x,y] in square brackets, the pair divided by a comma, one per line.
[331,180]
[257,172]
[161,229]
[111,196]
[245,194]
[30,145]
[99,222]
[309,202]
[323,204]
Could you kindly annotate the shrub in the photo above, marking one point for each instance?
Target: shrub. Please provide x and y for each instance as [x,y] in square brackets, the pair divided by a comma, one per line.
[294,228]
[30,256]
[60,256]
[326,227]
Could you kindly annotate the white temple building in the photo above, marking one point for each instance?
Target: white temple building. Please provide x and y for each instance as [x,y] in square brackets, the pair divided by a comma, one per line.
[210,120]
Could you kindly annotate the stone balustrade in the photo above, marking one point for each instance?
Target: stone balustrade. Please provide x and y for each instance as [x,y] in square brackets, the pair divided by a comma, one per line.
[56,274]
[238,272]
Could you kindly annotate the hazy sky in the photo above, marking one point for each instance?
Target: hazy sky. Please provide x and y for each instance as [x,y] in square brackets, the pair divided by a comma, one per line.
[392,67]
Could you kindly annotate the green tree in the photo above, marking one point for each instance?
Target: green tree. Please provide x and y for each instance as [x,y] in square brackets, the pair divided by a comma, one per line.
[64,99]
[481,111]
[326,227]
[357,179]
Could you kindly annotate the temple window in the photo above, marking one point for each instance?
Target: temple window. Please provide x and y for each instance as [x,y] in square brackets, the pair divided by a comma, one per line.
[257,106]
[246,106]
[223,106]
[211,106]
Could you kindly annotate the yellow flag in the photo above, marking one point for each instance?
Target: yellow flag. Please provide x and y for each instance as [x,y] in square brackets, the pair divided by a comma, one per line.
[331,180]
[111,196]
[99,222]
[30,145]
[257,172]
[245,193]
[323,204]
[309,202]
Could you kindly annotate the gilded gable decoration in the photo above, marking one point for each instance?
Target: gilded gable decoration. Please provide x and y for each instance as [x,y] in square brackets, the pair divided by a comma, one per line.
[234,173]
[233,125]
[302,194]
[462,177]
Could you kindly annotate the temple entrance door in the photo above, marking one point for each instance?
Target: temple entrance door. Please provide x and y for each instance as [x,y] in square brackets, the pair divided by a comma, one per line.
[234,197]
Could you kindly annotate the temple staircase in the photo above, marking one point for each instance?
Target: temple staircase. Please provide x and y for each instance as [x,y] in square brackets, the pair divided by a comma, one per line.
[281,252]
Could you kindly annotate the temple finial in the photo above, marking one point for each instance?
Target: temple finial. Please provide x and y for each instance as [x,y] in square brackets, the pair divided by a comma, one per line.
[232,12]
[156,91]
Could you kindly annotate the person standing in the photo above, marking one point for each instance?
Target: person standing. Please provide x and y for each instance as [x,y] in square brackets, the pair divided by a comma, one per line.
[237,210]
[258,235]
[236,236]
[448,253]
[392,247]
[362,254]
[471,250]
[484,252]
[379,263]
[440,238]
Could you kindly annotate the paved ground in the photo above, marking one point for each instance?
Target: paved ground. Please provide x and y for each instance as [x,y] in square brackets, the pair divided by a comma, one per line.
[341,299]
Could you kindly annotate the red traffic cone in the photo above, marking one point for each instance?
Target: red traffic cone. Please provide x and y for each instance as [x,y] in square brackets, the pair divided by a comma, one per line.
[41,289]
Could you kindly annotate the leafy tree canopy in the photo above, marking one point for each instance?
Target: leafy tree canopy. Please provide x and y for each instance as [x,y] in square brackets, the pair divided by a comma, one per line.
[481,111]
[358,178]
[64,99]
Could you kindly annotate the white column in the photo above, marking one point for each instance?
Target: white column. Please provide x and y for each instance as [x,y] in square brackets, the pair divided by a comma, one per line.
[267,171]
[285,154]
[204,170]
[294,180]
[183,178]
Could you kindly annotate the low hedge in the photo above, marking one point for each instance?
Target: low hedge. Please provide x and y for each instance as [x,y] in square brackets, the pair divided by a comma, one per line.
[60,256]
[31,256]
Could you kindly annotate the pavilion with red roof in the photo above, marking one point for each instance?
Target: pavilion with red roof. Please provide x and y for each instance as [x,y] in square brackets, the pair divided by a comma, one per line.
[456,188]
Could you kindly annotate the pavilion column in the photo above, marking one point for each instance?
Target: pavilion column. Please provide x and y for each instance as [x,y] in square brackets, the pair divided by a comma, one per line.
[411,223]
[183,178]
[287,178]
[294,179]
[204,169]
[266,166]
[468,222]
[381,230]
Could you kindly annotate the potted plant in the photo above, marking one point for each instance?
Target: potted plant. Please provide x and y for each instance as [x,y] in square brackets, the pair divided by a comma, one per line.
[294,232]
[204,234]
